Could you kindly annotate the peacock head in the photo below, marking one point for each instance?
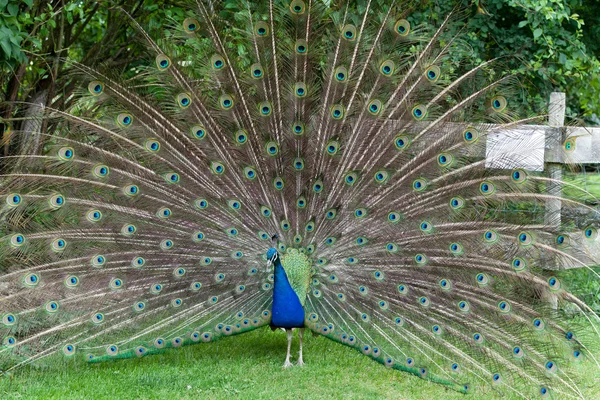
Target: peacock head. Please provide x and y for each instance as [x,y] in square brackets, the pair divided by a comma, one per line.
[271,256]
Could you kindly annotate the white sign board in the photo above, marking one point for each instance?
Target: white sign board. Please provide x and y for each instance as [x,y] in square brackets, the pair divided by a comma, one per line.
[520,147]
[587,146]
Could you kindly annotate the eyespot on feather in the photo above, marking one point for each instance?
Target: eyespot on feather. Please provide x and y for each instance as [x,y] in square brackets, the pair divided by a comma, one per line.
[226,102]
[217,62]
[569,145]
[402,27]
[297,7]
[300,89]
[198,132]
[162,62]
[349,32]
[341,74]
[96,88]
[190,25]
[375,107]
[387,68]
[14,199]
[470,135]
[351,178]
[265,109]
[498,103]
[419,112]
[184,100]
[433,73]
[301,47]
[337,111]
[257,71]
[66,153]
[124,120]
[332,147]
[261,29]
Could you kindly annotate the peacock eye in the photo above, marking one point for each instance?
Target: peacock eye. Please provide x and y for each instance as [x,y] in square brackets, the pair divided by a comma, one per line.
[96,88]
[419,112]
[341,74]
[162,62]
[349,32]
[217,62]
[278,183]
[261,29]
[332,147]
[172,177]
[351,178]
[184,100]
[257,71]
[297,7]
[402,27]
[433,73]
[387,68]
[298,164]
[401,142]
[17,240]
[250,173]
[375,107]
[301,47]
[569,145]
[300,89]
[124,120]
[190,25]
[337,111]
[498,103]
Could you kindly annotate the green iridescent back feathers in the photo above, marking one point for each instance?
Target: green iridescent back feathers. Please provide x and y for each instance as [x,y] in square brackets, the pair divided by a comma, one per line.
[355,137]
[297,267]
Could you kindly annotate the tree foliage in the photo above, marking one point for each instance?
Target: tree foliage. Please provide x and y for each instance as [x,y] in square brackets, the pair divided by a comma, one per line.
[38,36]
[552,43]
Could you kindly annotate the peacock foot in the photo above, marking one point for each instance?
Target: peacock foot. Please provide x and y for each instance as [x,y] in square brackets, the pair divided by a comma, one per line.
[287,364]
[300,363]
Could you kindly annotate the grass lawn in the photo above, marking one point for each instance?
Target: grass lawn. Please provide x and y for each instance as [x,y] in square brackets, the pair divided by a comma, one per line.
[590,182]
[244,366]
[247,366]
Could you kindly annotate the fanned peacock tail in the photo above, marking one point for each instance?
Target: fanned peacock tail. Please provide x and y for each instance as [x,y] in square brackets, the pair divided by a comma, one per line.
[356,138]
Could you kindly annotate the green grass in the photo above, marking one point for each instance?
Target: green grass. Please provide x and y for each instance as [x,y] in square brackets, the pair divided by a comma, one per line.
[245,366]
[589,182]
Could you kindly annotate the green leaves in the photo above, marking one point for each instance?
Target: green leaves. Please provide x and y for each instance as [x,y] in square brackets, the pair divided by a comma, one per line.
[554,49]
[11,30]
[12,8]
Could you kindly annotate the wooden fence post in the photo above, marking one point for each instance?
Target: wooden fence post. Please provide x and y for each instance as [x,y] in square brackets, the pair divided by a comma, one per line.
[554,140]
[553,148]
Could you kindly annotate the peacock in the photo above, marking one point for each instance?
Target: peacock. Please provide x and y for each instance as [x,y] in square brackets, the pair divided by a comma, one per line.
[298,164]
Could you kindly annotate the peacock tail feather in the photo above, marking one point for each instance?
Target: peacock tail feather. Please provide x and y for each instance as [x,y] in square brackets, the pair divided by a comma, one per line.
[355,137]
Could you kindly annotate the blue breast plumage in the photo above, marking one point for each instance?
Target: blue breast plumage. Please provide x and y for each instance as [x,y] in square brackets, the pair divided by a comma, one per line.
[287,311]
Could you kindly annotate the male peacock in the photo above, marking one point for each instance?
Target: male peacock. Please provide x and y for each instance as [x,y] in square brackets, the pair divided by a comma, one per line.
[352,139]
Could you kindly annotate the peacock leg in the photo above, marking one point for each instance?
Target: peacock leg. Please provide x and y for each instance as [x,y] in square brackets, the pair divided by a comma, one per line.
[287,362]
[300,334]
